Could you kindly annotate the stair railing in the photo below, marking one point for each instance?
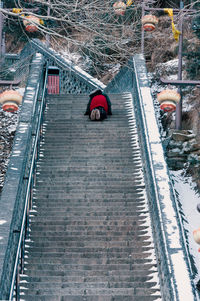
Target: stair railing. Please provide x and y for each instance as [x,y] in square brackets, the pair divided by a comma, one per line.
[19,261]
[12,199]
[174,264]
[73,79]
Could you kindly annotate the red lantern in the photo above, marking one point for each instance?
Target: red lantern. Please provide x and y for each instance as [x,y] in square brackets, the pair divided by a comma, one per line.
[168,100]
[119,8]
[10,100]
[31,23]
[149,22]
[196,235]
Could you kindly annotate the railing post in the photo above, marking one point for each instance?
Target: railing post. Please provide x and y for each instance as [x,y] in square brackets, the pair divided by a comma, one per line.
[17,287]
[27,219]
[1,28]
[31,196]
[142,31]
[22,253]
[179,105]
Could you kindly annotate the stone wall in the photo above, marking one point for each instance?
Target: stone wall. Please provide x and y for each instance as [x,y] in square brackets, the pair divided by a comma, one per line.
[183,149]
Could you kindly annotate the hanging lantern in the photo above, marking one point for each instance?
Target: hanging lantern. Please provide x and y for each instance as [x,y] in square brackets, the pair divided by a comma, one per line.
[168,100]
[196,235]
[149,22]
[31,23]
[119,8]
[10,100]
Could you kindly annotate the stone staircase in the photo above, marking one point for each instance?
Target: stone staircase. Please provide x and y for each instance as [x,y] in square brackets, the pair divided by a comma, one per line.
[90,233]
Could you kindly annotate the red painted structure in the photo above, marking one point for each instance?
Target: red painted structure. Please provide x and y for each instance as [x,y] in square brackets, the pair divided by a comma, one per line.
[53,83]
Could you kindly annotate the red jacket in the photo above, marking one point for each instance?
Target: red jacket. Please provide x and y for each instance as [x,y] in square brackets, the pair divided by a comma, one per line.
[99,101]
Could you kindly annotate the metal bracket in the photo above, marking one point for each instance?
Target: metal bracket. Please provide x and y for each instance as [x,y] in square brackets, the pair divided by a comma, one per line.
[180,82]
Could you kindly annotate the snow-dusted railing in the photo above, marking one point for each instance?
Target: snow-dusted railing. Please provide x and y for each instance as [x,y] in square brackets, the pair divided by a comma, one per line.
[17,65]
[72,78]
[174,265]
[17,190]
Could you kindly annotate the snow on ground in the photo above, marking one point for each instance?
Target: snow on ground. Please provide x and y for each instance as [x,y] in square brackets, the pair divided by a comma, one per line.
[8,125]
[188,197]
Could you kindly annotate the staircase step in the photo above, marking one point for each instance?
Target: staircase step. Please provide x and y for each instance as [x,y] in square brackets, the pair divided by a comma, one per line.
[97,193]
[101,214]
[91,286]
[87,279]
[82,219]
[92,291]
[138,201]
[100,242]
[81,259]
[90,298]
[101,194]
[86,223]
[95,267]
[87,229]
[136,207]
[88,271]
[106,256]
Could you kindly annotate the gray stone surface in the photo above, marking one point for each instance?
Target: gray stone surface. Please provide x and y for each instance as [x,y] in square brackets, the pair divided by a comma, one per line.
[88,238]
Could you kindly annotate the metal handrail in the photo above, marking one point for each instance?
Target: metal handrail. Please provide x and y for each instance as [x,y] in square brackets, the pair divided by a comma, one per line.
[153,179]
[28,191]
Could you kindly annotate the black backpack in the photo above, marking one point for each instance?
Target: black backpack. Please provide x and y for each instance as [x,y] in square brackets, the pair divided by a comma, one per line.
[95,93]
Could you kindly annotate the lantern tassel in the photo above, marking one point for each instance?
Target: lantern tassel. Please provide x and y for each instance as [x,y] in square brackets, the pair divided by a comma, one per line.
[129,3]
[175,31]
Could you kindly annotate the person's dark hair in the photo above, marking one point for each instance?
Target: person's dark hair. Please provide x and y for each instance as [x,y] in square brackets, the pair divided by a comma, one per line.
[95,93]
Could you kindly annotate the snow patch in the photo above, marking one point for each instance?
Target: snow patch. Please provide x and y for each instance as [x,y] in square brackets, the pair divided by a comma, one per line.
[189,198]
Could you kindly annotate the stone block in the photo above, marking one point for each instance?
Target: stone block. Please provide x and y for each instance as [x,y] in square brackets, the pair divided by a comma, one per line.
[182,135]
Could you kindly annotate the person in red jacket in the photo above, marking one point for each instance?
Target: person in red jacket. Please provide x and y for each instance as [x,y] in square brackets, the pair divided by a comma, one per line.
[99,106]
